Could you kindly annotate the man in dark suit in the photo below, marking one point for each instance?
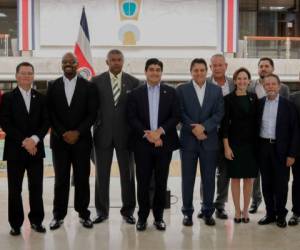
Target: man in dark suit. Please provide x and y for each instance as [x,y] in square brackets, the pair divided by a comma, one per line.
[72,107]
[295,218]
[24,119]
[278,147]
[202,109]
[265,68]
[153,113]
[111,131]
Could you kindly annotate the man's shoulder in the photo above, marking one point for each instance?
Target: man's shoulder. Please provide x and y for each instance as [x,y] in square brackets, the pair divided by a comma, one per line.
[184,85]
[100,77]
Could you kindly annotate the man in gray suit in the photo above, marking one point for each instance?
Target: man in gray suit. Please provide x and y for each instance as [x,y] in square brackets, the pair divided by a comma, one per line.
[218,66]
[265,68]
[202,109]
[111,131]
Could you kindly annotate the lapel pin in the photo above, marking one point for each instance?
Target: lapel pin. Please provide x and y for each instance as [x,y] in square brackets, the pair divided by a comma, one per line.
[165,91]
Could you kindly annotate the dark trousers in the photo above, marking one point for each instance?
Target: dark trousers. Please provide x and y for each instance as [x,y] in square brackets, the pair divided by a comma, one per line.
[149,160]
[256,192]
[208,162]
[15,174]
[296,187]
[275,177]
[77,155]
[103,161]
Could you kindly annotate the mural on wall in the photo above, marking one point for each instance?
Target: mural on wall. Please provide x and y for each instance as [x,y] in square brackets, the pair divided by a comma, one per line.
[129,10]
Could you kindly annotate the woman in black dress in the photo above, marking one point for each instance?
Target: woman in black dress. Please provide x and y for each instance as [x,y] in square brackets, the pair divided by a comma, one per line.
[239,136]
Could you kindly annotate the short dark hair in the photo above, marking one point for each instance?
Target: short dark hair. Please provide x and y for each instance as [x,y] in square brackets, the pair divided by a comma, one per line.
[266,59]
[114,52]
[198,61]
[154,61]
[242,69]
[274,76]
[24,64]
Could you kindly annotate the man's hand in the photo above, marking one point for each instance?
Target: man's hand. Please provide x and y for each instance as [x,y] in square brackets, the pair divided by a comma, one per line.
[202,137]
[228,153]
[198,129]
[158,143]
[71,136]
[290,161]
[153,136]
[30,146]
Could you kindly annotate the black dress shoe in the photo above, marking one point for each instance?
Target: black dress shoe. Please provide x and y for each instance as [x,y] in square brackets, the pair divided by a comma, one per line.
[141,225]
[99,219]
[15,231]
[38,228]
[55,224]
[281,222]
[266,220]
[294,220]
[187,221]
[221,214]
[200,215]
[254,207]
[160,225]
[129,219]
[87,223]
[209,221]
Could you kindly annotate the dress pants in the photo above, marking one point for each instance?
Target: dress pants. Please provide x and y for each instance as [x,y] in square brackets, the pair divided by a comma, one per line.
[103,161]
[256,192]
[275,177]
[77,155]
[296,187]
[15,174]
[149,159]
[208,161]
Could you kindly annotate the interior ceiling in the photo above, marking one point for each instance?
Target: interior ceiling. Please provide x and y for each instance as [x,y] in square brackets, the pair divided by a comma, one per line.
[251,4]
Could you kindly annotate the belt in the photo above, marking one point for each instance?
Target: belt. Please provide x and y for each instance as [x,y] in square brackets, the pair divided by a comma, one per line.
[268,140]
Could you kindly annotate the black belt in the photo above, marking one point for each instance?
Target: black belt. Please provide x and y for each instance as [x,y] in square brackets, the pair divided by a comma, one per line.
[268,140]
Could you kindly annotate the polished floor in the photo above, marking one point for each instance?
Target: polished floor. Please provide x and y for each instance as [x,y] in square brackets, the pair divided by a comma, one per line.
[115,234]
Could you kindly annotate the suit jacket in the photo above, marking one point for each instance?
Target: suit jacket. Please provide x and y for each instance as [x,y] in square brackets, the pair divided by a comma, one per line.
[80,115]
[284,89]
[111,124]
[209,115]
[228,79]
[168,116]
[287,128]
[18,124]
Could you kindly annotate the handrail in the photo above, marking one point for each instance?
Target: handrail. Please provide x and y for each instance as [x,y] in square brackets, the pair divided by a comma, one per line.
[271,38]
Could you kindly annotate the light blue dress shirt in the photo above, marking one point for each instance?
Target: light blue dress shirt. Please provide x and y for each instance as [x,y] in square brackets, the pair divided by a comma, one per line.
[268,124]
[153,99]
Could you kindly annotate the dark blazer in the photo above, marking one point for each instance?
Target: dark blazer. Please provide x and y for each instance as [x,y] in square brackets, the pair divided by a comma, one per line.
[79,116]
[209,115]
[18,124]
[168,116]
[111,124]
[287,128]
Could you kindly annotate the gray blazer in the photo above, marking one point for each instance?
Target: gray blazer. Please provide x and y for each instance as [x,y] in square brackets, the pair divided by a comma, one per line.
[111,125]
[228,79]
[284,89]
[209,114]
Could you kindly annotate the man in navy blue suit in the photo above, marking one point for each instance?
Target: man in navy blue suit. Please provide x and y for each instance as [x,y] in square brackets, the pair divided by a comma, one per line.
[278,146]
[202,109]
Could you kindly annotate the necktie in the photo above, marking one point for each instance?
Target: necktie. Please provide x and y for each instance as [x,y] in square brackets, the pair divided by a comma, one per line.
[116,90]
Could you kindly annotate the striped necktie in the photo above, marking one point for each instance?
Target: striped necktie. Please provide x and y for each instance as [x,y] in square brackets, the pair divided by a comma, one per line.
[116,90]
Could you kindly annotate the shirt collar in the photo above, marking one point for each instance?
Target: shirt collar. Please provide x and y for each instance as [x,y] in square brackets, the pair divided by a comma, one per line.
[24,92]
[153,87]
[215,82]
[275,100]
[196,85]
[66,80]
[112,76]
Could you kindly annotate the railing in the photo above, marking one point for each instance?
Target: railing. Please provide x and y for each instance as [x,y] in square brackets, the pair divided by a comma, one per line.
[4,45]
[275,47]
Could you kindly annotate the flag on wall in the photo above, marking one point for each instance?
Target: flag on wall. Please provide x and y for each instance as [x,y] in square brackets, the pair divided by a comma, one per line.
[83,50]
[25,24]
[230,27]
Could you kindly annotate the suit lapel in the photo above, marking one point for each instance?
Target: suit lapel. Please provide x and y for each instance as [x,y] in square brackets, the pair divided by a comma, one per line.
[33,102]
[280,112]
[206,98]
[146,104]
[76,92]
[194,97]
[261,110]
[61,88]
[20,101]
[162,102]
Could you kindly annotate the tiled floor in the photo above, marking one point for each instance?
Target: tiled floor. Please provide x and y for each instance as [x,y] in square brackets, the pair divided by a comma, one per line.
[115,234]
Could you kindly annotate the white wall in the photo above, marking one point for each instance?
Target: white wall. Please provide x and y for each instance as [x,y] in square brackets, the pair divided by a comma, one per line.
[168,28]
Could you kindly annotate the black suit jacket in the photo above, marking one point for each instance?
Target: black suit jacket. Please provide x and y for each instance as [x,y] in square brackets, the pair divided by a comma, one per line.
[111,124]
[287,128]
[80,115]
[168,116]
[18,124]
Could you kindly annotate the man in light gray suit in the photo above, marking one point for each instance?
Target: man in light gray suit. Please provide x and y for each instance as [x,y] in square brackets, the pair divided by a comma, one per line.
[202,109]
[218,66]
[111,131]
[265,68]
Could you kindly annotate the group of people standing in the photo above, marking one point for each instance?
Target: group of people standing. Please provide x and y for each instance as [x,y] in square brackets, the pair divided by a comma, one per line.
[235,128]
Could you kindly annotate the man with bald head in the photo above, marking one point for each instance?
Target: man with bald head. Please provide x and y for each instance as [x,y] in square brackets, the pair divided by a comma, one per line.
[72,108]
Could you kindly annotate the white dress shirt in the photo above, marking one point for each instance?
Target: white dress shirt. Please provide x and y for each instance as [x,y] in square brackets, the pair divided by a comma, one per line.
[224,87]
[27,99]
[268,124]
[69,86]
[200,91]
[259,90]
